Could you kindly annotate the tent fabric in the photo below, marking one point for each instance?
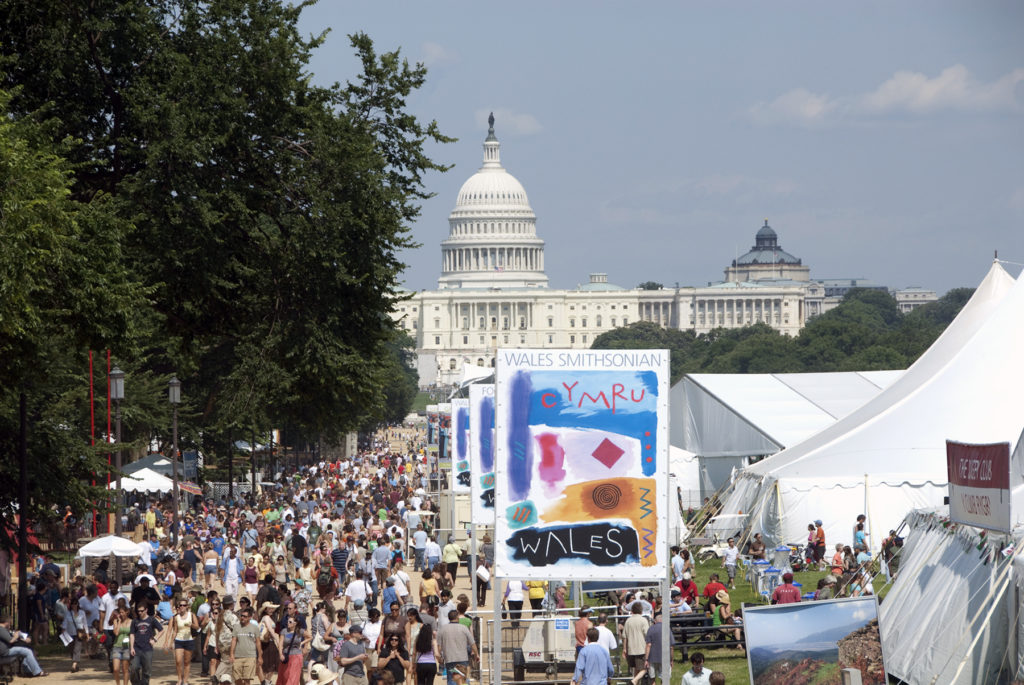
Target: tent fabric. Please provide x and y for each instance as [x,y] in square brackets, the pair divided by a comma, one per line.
[154,462]
[941,600]
[111,545]
[758,414]
[888,456]
[145,480]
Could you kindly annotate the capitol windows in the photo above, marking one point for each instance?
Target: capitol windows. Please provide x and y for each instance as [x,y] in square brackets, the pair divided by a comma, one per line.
[522,322]
[480,360]
[465,340]
[551,321]
[522,340]
[437,340]
[613,322]
[572,339]
[451,364]
[437,323]
[414,325]
[465,322]
[494,322]
[598,322]
[481,324]
[625,321]
[584,340]
[551,339]
[583,322]
[505,339]
[572,323]
[481,340]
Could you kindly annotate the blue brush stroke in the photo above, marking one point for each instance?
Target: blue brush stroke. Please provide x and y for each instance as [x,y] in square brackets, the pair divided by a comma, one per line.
[461,429]
[631,419]
[520,448]
[487,433]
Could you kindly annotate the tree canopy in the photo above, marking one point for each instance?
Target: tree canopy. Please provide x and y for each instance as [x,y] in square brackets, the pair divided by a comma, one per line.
[191,201]
[865,332]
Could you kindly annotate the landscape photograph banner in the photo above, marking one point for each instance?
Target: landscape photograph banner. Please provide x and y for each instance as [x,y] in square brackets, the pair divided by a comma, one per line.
[581,464]
[460,422]
[481,452]
[814,642]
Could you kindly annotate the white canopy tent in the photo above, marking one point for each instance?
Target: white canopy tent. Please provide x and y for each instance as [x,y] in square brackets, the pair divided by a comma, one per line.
[726,419]
[145,480]
[888,457]
[111,545]
[953,615]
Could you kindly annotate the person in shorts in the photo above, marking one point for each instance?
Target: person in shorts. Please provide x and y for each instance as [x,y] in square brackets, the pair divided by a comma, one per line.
[352,658]
[730,557]
[245,654]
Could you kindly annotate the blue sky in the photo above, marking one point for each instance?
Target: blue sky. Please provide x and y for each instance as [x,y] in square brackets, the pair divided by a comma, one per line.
[793,623]
[882,140]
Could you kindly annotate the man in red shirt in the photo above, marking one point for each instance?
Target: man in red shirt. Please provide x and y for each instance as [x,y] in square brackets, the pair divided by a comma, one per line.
[712,588]
[786,593]
[689,589]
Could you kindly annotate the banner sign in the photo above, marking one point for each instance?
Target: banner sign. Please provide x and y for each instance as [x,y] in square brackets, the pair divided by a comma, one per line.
[581,464]
[460,445]
[444,431]
[481,452]
[431,424]
[979,485]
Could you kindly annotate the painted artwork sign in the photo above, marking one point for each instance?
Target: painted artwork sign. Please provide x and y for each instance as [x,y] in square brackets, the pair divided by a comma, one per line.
[432,417]
[460,445]
[581,464]
[828,641]
[481,452]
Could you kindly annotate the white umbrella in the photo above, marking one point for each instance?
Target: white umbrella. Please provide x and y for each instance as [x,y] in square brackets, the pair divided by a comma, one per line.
[110,545]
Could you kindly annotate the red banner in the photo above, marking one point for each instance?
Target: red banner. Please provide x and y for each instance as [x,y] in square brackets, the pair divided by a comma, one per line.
[979,466]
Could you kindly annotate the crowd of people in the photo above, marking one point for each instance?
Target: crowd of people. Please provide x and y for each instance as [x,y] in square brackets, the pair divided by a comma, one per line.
[337,573]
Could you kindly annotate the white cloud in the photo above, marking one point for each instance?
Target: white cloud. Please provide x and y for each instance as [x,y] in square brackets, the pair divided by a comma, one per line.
[507,121]
[954,88]
[437,55]
[799,105]
[905,92]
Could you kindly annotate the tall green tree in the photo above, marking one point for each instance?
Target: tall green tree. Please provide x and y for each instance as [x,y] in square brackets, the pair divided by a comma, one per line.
[269,213]
[63,289]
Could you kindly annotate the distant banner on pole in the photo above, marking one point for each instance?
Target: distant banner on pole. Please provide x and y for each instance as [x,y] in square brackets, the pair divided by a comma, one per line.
[979,485]
[460,445]
[481,452]
[432,417]
[581,464]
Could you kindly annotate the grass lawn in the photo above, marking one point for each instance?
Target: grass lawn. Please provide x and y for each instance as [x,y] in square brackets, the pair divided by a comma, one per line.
[420,403]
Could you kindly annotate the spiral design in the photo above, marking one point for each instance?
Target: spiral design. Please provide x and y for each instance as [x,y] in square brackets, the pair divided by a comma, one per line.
[606,496]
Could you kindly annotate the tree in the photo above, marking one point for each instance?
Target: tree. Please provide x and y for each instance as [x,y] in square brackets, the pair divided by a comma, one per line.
[65,288]
[650,285]
[269,213]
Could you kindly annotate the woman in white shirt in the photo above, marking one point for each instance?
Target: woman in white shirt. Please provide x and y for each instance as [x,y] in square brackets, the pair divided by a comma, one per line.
[515,595]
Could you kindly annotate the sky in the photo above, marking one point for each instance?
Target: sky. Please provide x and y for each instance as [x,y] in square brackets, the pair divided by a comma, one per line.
[880,140]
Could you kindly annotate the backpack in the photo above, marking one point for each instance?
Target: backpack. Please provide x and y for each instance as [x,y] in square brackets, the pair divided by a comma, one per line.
[323,579]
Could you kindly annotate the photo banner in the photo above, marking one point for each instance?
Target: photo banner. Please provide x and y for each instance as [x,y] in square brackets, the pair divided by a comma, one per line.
[444,429]
[432,424]
[481,452]
[581,464]
[460,445]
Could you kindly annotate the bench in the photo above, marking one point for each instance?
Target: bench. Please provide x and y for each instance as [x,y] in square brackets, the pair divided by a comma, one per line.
[10,665]
[699,631]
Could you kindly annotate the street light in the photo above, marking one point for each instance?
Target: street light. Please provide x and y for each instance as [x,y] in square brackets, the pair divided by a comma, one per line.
[174,395]
[116,395]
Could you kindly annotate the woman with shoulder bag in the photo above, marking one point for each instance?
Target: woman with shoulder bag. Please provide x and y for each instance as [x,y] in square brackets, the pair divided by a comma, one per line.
[268,638]
[76,627]
[291,643]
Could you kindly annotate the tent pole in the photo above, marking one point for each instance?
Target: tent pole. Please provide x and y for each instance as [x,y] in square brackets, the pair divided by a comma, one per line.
[867,512]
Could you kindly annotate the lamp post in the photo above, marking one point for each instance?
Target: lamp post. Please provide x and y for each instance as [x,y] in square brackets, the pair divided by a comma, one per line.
[174,395]
[116,395]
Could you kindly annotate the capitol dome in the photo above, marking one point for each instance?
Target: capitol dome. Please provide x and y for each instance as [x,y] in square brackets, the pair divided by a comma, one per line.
[492,239]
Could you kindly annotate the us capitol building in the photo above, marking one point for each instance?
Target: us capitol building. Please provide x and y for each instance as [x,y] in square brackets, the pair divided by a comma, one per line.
[493,291]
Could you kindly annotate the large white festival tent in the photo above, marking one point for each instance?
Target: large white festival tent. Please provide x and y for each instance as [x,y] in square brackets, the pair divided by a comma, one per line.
[728,418]
[887,458]
[145,480]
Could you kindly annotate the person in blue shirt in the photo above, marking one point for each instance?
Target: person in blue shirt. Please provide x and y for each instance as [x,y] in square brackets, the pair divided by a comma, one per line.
[390,595]
[593,665]
[218,543]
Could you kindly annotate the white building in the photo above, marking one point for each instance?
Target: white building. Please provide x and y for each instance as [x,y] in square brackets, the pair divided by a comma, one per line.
[493,290]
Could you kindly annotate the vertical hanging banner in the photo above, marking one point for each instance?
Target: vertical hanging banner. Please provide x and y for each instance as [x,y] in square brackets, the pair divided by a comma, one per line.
[444,435]
[431,424]
[581,464]
[481,452]
[460,445]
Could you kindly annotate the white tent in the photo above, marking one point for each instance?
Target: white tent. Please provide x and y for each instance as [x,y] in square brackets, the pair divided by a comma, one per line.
[111,545]
[727,418]
[947,617]
[888,457]
[145,480]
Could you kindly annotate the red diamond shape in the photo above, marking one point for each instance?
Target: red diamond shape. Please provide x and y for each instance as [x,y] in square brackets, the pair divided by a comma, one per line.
[608,453]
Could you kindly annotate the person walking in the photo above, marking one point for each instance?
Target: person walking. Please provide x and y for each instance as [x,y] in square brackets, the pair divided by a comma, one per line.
[352,658]
[183,623]
[593,664]
[457,647]
[450,556]
[290,644]
[143,633]
[120,651]
[425,656]
[245,655]
[76,627]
